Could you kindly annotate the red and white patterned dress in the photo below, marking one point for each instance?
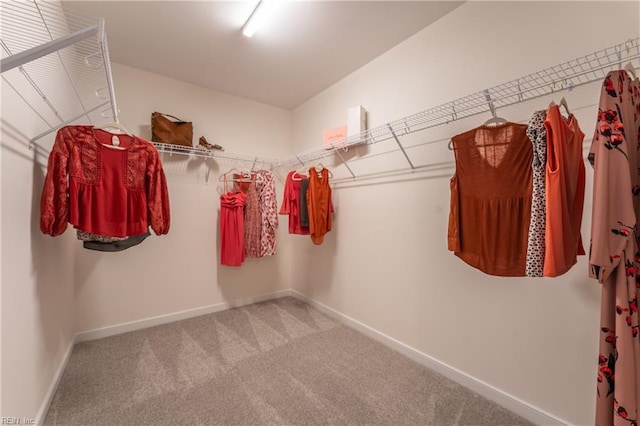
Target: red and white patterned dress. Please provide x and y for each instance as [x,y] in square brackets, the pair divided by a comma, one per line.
[269,211]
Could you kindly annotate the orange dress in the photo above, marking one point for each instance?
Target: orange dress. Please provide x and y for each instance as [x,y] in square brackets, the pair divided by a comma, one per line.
[564,182]
[319,205]
[491,198]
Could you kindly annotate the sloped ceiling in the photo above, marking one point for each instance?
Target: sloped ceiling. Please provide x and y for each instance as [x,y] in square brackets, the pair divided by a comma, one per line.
[303,48]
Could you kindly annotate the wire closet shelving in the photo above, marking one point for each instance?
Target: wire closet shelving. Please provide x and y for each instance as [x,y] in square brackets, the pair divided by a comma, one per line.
[40,37]
[583,70]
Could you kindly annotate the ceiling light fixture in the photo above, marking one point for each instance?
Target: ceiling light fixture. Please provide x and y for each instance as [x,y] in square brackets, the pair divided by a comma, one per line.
[256,18]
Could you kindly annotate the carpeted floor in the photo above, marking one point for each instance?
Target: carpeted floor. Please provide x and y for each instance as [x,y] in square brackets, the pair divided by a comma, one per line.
[280,362]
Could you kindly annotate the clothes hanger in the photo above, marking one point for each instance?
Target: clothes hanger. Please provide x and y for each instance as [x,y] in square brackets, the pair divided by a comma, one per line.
[246,176]
[631,70]
[494,120]
[563,103]
[114,125]
[628,67]
[300,174]
[245,173]
[319,167]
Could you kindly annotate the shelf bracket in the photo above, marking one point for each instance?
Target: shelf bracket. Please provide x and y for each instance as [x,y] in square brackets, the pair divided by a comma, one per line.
[345,163]
[401,147]
[29,55]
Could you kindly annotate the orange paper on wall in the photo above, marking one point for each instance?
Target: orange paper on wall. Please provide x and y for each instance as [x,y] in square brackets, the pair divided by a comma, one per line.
[334,138]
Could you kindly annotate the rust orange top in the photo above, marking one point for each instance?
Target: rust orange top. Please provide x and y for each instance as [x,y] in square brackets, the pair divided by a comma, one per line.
[491,198]
[564,181]
[319,204]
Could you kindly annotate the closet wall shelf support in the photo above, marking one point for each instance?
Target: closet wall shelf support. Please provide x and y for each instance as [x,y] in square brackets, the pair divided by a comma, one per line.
[34,53]
[104,49]
[404,152]
[50,41]
[353,176]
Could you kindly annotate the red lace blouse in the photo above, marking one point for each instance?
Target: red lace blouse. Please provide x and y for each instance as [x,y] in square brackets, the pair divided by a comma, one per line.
[101,189]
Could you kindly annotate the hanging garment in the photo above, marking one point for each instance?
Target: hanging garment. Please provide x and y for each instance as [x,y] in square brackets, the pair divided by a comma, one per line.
[103,190]
[252,221]
[88,236]
[614,257]
[241,182]
[319,205]
[564,183]
[304,209]
[491,198]
[118,245]
[232,228]
[268,212]
[291,205]
[535,242]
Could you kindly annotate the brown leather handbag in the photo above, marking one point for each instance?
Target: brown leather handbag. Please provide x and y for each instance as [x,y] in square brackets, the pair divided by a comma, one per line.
[174,132]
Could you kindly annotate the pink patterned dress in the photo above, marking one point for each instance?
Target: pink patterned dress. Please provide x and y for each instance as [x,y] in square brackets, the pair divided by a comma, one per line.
[268,211]
[614,256]
[252,222]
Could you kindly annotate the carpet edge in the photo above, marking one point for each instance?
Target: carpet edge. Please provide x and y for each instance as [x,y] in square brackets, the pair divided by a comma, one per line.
[113,330]
[504,399]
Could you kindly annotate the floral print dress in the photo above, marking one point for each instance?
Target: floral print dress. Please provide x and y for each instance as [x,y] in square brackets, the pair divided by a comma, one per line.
[268,212]
[614,256]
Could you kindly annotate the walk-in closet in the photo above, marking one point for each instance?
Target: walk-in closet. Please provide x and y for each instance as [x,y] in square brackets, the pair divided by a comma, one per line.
[386,212]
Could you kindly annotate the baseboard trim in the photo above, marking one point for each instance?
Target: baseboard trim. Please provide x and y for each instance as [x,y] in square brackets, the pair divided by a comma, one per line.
[114,330]
[510,402]
[138,325]
[48,397]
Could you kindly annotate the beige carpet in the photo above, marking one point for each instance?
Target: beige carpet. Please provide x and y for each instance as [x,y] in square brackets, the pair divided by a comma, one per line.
[280,362]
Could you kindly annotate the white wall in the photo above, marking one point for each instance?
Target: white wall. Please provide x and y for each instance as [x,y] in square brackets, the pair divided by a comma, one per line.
[181,271]
[386,262]
[37,270]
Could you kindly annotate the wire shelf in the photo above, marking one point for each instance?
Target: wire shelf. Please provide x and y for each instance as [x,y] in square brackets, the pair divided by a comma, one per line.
[57,53]
[577,72]
[197,151]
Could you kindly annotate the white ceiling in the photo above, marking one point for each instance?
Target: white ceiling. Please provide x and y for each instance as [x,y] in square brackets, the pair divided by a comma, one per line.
[304,48]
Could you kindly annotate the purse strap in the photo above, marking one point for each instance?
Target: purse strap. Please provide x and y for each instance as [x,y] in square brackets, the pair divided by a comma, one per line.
[172,116]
